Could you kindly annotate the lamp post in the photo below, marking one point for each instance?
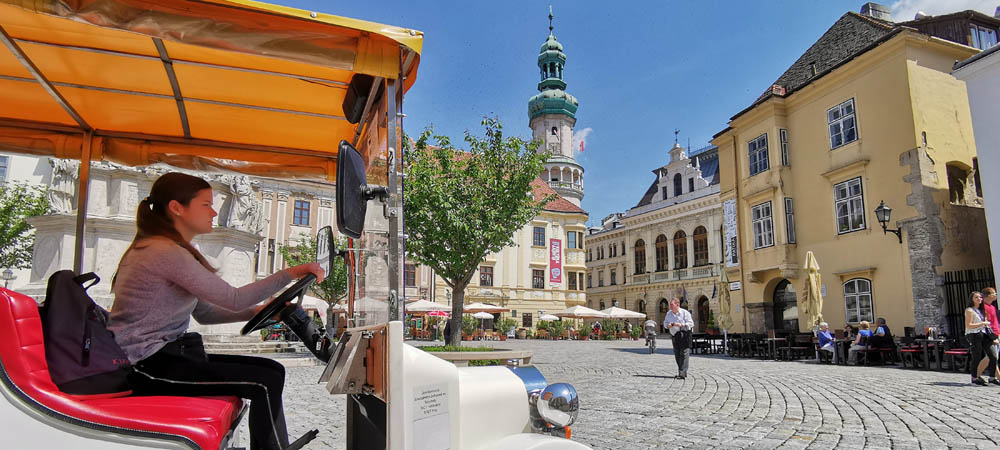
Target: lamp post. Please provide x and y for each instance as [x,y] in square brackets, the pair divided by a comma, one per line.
[883,213]
[8,276]
[447,294]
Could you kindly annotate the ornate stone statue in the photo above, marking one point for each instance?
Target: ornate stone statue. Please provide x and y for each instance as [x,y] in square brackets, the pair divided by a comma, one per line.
[65,173]
[247,212]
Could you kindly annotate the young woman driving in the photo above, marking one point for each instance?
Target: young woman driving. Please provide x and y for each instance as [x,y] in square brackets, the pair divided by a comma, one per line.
[163,281]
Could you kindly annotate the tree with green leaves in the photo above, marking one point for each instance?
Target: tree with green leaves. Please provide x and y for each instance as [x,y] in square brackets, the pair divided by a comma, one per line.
[18,202]
[334,286]
[463,206]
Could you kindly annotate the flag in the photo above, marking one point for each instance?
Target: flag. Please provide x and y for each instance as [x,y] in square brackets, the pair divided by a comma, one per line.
[581,146]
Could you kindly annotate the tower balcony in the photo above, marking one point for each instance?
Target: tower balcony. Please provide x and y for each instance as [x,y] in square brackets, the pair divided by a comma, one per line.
[567,189]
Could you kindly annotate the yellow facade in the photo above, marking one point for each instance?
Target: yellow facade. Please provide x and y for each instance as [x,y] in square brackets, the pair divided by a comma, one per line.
[913,124]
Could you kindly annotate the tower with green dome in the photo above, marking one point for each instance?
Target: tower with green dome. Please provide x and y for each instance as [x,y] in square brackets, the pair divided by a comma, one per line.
[552,115]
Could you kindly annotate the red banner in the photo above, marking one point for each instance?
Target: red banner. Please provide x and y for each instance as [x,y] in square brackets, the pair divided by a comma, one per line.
[555,261]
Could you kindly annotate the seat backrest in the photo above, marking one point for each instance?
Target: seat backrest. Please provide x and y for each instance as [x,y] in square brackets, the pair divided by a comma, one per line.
[22,350]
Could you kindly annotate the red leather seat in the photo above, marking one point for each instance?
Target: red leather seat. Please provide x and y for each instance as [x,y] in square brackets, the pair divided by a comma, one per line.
[204,421]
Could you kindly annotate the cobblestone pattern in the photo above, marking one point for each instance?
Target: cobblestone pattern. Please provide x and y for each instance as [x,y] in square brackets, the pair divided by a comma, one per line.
[630,400]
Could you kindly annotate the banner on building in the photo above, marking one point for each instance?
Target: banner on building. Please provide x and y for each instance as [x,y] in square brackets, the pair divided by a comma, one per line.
[730,233]
[555,261]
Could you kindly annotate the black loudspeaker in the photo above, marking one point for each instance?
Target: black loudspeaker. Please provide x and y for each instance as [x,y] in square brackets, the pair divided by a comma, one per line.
[357,96]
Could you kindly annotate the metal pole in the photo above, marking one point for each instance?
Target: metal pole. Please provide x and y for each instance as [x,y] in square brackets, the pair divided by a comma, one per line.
[83,193]
[395,256]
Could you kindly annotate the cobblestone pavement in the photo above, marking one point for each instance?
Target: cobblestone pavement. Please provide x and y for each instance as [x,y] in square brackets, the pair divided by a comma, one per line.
[630,400]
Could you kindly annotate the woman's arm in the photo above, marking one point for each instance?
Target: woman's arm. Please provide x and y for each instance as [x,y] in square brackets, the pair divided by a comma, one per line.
[209,314]
[180,267]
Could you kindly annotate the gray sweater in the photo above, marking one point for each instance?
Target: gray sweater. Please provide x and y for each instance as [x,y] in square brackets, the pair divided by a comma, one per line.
[160,286]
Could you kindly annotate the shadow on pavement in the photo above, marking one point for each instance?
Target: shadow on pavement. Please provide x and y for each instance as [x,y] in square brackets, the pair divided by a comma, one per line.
[645,351]
[655,376]
[951,384]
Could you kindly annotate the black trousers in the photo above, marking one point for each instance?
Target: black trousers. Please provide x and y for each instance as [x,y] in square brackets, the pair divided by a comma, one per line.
[185,370]
[682,351]
[980,347]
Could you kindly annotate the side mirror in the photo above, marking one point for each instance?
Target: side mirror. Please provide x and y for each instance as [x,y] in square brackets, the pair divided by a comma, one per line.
[325,251]
[353,191]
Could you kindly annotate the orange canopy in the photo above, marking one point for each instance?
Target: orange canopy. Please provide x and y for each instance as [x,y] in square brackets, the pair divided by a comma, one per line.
[232,84]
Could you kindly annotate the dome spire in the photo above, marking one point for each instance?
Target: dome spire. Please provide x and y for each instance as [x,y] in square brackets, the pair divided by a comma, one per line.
[550,19]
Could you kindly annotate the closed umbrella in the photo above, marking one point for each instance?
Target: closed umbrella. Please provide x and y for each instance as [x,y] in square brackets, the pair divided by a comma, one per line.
[812,295]
[724,317]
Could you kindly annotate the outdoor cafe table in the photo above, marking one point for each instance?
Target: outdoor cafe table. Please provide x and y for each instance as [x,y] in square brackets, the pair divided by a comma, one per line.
[772,346]
[938,351]
[845,344]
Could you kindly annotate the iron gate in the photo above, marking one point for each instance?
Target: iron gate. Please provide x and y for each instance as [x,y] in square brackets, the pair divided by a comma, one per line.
[957,287]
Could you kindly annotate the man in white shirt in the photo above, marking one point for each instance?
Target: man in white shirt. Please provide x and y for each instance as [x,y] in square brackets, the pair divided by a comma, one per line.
[679,322]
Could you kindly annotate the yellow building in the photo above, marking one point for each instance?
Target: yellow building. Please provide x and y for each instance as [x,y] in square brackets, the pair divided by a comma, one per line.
[868,114]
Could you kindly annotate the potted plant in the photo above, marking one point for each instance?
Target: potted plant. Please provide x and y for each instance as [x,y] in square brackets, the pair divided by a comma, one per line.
[503,325]
[468,327]
[556,328]
[522,333]
[712,330]
[636,331]
[584,333]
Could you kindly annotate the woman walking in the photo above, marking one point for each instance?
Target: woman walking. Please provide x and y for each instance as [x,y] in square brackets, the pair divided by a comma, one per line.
[979,336]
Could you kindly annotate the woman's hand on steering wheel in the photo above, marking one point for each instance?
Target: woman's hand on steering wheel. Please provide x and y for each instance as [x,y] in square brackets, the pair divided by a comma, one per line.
[277,317]
[302,270]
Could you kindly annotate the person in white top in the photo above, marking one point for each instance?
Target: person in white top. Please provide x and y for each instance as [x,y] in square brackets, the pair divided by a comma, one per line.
[680,323]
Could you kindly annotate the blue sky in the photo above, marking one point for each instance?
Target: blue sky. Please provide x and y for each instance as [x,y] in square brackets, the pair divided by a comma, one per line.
[639,69]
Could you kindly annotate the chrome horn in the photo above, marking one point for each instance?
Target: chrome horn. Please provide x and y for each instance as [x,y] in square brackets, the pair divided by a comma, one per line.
[557,405]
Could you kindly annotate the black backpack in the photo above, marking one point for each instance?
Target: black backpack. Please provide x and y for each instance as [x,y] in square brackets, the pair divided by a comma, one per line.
[82,354]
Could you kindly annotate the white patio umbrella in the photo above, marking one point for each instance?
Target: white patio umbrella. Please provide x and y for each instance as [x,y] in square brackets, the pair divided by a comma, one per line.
[581,312]
[547,317]
[425,306]
[482,316]
[473,308]
[615,312]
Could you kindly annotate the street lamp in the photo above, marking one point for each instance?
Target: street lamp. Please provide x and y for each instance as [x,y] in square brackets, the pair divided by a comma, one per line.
[447,294]
[883,213]
[7,276]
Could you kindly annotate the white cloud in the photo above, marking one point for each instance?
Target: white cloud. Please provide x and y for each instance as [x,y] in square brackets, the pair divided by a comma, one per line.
[904,10]
[581,136]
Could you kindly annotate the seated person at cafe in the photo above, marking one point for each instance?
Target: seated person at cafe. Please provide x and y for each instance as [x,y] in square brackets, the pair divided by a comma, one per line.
[826,343]
[864,333]
[881,337]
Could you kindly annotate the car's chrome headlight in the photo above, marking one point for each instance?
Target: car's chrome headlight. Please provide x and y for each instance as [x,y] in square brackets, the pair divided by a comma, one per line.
[557,404]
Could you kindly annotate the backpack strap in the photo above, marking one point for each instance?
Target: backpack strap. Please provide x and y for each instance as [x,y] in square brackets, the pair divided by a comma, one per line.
[84,278]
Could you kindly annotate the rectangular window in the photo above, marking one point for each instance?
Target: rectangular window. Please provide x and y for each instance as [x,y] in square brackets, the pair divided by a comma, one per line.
[982,37]
[757,150]
[790,220]
[783,137]
[409,275]
[664,192]
[763,228]
[571,239]
[301,215]
[571,285]
[538,279]
[590,281]
[600,279]
[843,126]
[614,277]
[538,238]
[849,205]
[580,285]
[4,161]
[858,300]
[690,184]
[486,275]
[526,320]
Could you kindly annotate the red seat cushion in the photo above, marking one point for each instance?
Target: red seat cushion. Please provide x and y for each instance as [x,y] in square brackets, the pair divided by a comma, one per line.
[203,420]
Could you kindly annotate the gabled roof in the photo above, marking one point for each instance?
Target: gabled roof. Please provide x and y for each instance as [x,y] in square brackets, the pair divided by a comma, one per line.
[852,35]
[541,189]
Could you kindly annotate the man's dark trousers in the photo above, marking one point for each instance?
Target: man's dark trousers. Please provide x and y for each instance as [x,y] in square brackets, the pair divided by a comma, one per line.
[682,351]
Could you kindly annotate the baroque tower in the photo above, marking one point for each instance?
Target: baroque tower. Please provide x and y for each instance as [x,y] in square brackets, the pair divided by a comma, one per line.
[552,114]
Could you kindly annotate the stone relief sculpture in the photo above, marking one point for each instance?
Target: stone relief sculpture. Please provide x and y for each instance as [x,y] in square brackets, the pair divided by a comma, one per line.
[247,213]
[65,173]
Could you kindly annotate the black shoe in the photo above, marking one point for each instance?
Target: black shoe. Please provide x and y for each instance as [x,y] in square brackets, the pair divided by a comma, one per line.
[302,441]
[979,381]
[995,381]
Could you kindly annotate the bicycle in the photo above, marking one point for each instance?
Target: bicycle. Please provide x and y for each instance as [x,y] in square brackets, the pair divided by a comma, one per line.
[651,342]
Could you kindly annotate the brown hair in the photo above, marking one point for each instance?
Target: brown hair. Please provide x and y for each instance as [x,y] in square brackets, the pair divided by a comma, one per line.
[152,218]
[989,291]
[864,325]
[972,301]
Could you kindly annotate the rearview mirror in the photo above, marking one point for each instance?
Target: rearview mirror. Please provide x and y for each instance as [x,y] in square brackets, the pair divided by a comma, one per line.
[353,191]
[325,250]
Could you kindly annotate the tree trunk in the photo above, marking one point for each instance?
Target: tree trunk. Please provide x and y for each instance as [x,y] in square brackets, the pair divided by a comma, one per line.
[457,309]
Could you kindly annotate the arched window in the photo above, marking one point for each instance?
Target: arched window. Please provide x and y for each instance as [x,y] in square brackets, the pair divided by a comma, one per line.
[664,305]
[680,250]
[640,257]
[614,251]
[786,307]
[677,184]
[700,246]
[555,131]
[642,306]
[662,255]
[602,304]
[858,300]
[614,302]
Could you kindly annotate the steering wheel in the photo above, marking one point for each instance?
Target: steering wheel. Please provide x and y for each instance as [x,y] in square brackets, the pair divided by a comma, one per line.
[261,319]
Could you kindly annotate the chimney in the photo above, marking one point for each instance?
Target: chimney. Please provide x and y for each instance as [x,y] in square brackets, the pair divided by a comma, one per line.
[876,11]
